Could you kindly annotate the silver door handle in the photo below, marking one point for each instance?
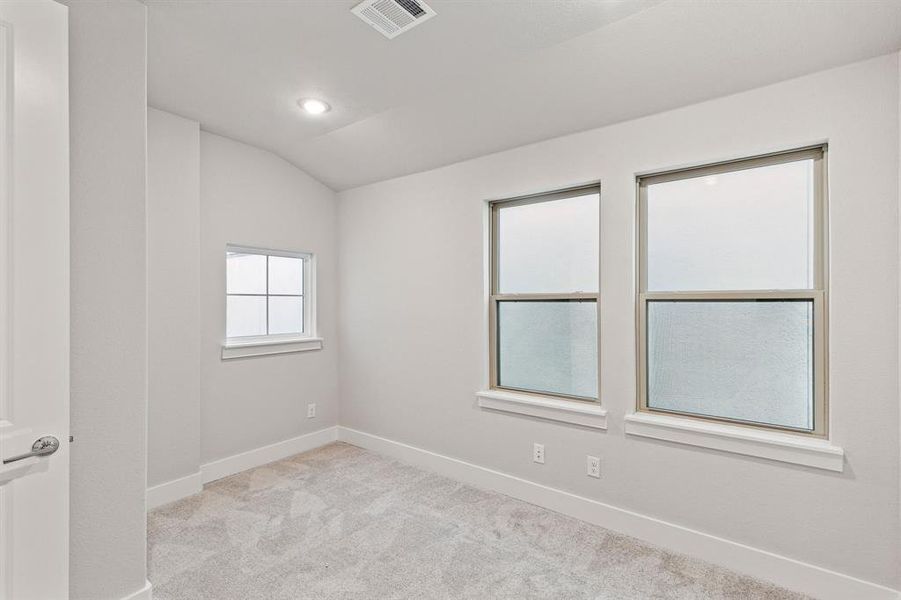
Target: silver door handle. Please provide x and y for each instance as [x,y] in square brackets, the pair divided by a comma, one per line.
[44,446]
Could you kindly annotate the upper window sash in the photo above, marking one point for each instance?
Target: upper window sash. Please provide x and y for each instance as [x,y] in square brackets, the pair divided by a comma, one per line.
[817,229]
[498,205]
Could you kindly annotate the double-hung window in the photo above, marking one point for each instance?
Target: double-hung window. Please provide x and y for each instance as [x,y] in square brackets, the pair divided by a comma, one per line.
[268,301]
[544,294]
[731,299]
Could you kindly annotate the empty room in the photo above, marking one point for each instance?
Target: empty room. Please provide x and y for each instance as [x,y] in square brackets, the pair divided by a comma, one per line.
[450,299]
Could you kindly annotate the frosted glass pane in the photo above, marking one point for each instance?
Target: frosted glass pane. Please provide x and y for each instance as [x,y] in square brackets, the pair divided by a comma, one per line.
[745,360]
[549,246]
[548,346]
[285,275]
[245,315]
[285,314]
[744,230]
[245,273]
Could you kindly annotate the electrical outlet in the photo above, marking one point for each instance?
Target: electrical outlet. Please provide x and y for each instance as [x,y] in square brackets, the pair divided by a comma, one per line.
[538,453]
[593,466]
[311,411]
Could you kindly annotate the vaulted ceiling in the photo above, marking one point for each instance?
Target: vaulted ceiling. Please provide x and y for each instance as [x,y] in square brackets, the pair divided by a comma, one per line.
[483,75]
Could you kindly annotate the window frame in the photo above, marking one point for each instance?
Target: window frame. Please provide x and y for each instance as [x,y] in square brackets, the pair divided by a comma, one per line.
[307,294]
[817,294]
[495,297]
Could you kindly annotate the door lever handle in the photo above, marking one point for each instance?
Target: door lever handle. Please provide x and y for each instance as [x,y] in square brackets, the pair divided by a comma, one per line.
[44,446]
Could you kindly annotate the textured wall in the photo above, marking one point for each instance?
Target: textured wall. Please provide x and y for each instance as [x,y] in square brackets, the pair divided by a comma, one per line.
[173,254]
[206,191]
[108,104]
[413,320]
[253,198]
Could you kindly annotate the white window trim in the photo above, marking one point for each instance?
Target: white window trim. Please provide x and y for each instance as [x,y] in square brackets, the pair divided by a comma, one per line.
[263,345]
[762,443]
[587,414]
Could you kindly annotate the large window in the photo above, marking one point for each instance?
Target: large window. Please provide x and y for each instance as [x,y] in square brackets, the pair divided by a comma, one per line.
[544,293]
[267,294]
[731,296]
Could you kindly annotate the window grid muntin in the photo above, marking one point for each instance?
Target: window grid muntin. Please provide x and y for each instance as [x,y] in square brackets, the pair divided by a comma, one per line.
[306,315]
[495,297]
[817,294]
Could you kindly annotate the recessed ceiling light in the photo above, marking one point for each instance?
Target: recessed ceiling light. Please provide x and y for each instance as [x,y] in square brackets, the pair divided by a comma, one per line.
[312,106]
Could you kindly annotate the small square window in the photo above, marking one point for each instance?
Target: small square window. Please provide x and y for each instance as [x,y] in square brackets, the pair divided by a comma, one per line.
[267,294]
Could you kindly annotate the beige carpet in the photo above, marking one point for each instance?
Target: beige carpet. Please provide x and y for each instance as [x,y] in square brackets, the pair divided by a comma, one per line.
[340,522]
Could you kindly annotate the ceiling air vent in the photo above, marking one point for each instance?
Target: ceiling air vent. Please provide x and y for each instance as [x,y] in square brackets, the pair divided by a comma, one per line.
[393,17]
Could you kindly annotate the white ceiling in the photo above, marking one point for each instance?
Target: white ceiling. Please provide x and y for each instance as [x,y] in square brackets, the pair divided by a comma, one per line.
[483,75]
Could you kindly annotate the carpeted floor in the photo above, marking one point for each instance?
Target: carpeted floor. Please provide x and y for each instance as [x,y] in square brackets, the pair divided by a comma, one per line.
[340,523]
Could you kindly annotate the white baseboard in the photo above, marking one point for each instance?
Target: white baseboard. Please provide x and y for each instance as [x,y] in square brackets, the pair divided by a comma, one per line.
[145,593]
[783,571]
[267,454]
[189,485]
[176,489]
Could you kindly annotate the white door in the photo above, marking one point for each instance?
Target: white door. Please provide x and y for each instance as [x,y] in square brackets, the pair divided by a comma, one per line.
[34,300]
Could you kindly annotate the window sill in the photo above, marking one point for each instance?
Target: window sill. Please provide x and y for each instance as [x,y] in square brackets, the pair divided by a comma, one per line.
[266,347]
[784,447]
[587,414]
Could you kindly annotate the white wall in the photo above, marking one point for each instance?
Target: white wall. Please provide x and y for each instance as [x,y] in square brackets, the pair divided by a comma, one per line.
[108,99]
[251,197]
[173,290]
[206,191]
[413,320]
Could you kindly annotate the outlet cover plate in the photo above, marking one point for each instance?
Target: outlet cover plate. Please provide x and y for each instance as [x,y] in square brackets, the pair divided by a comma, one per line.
[538,453]
[593,466]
